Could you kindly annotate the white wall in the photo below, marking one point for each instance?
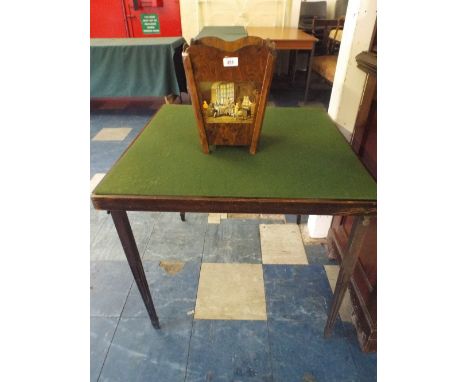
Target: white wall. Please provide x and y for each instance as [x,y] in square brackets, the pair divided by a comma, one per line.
[195,14]
[349,81]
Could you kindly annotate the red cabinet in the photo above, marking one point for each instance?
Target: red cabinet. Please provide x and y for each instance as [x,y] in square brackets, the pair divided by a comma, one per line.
[135,18]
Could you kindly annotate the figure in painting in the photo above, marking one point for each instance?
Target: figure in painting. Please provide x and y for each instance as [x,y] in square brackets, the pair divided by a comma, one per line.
[229,102]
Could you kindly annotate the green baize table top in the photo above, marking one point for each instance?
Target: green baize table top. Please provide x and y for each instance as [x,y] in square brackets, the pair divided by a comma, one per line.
[301,155]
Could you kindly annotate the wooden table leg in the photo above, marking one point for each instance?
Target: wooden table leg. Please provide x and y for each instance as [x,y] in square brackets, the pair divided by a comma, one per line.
[309,72]
[292,65]
[348,264]
[125,233]
[182,216]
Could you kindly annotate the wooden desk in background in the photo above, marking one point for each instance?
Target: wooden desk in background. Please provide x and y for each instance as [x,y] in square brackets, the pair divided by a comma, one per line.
[284,38]
[289,39]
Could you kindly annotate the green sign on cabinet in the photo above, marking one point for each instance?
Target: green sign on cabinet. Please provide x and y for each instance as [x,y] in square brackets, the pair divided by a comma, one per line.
[150,23]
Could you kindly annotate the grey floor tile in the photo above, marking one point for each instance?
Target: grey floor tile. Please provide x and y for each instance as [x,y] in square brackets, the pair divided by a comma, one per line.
[141,353]
[366,363]
[102,331]
[106,244]
[229,351]
[317,254]
[232,241]
[105,154]
[298,293]
[173,287]
[173,239]
[97,219]
[301,353]
[110,285]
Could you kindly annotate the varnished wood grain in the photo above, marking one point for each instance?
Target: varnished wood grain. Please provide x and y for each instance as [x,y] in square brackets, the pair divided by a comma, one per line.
[203,62]
[235,205]
[284,38]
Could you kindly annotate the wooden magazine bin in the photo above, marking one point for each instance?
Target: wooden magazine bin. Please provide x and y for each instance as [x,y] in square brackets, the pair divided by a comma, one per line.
[229,82]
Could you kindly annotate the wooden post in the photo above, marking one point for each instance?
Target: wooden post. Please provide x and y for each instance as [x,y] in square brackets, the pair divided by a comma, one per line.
[309,73]
[348,264]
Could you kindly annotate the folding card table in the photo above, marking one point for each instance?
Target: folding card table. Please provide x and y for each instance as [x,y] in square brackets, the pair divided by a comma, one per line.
[303,166]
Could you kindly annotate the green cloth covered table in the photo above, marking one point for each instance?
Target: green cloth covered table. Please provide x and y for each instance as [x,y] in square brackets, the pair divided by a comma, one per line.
[303,166]
[137,67]
[301,155]
[228,33]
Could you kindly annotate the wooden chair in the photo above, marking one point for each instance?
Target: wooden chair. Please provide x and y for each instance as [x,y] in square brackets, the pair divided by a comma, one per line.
[325,64]
[309,12]
[328,31]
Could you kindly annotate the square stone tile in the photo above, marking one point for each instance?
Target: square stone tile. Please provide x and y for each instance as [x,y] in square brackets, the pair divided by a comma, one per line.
[232,241]
[231,292]
[215,218]
[282,244]
[112,134]
[102,331]
[346,309]
[229,351]
[141,353]
[96,179]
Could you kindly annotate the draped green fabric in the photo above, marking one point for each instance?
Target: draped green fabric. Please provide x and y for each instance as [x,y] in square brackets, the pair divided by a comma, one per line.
[301,155]
[134,67]
[226,33]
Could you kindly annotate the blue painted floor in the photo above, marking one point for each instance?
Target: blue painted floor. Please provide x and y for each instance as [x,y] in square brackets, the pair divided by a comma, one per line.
[286,347]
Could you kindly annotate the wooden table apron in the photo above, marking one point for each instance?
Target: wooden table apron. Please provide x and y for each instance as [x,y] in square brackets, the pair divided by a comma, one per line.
[118,205]
[289,39]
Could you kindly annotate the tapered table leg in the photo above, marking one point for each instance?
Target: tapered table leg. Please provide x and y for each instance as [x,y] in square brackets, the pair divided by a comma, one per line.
[309,73]
[348,264]
[182,216]
[125,233]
